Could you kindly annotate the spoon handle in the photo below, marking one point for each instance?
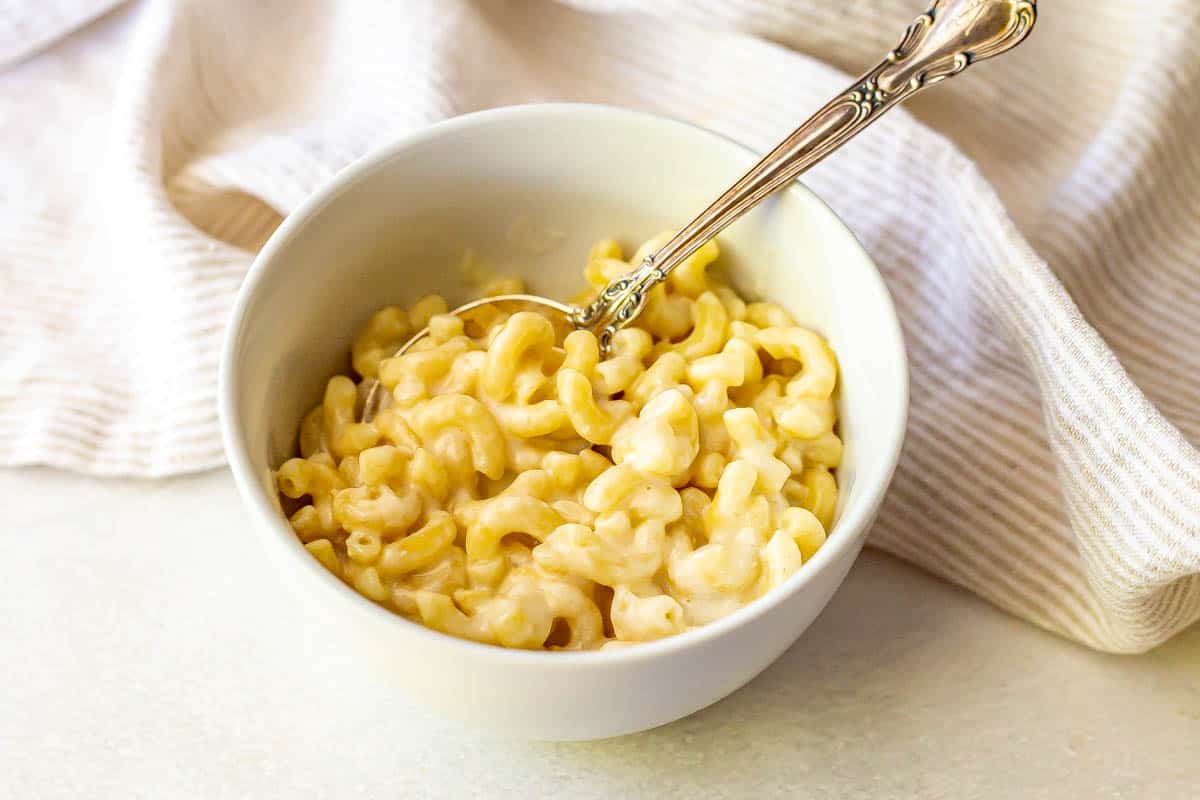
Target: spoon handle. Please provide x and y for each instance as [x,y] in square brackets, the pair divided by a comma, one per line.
[941,43]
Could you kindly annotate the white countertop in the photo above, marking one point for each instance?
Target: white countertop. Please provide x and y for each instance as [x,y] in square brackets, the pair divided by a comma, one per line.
[145,653]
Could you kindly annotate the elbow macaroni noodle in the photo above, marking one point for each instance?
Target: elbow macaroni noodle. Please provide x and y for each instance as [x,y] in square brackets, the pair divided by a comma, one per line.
[520,491]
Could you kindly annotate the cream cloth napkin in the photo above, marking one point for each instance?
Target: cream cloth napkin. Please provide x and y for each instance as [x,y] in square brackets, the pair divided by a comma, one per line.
[1037,220]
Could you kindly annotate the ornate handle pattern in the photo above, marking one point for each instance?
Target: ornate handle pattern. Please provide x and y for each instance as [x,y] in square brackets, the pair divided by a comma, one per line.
[942,42]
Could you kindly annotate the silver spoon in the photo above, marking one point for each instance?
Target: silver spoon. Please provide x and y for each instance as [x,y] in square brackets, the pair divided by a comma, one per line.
[939,44]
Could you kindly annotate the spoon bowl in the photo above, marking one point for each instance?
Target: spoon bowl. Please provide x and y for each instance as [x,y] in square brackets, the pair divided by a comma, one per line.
[375,395]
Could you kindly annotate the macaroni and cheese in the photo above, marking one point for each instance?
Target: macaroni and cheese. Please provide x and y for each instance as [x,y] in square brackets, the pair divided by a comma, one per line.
[518,490]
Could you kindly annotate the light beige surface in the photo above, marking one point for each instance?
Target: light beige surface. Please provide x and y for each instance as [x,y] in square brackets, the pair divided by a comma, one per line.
[146,654]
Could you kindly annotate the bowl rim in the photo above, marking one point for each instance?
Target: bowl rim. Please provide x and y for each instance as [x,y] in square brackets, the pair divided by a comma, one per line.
[852,524]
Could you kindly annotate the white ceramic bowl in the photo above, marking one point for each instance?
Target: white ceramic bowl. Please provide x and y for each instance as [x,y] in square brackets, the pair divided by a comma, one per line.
[529,188]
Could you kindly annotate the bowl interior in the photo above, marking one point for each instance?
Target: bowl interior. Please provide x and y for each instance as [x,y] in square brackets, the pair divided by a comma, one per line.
[525,191]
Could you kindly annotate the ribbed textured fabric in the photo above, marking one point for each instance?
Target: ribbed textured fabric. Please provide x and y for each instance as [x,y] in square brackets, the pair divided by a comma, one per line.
[1037,220]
